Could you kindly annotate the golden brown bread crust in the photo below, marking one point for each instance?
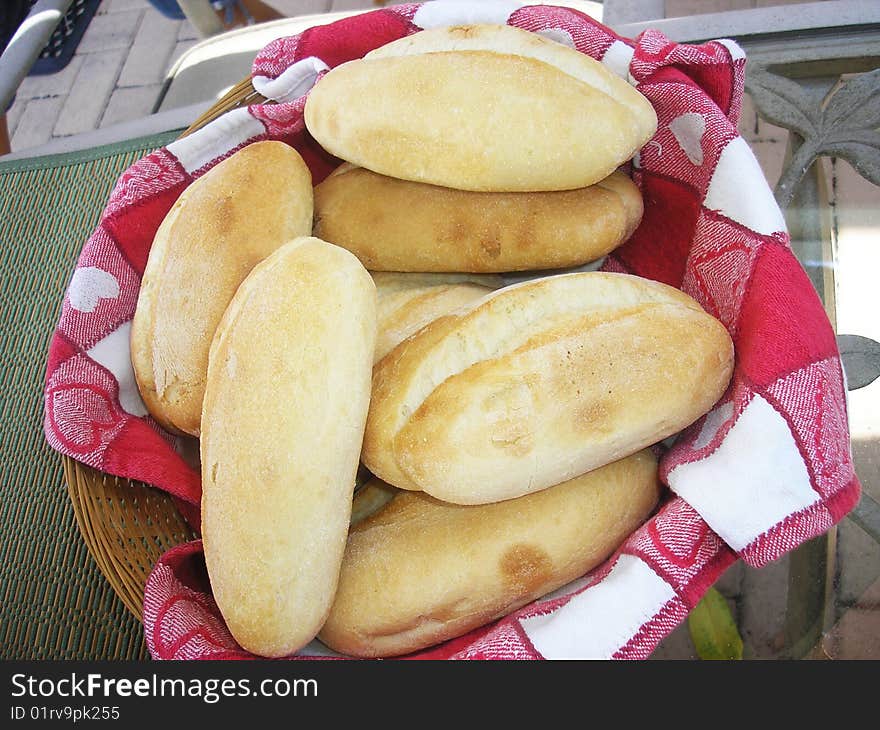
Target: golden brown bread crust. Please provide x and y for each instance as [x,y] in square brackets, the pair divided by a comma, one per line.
[398,225]
[629,196]
[285,403]
[408,301]
[223,224]
[567,121]
[539,382]
[502,38]
[421,571]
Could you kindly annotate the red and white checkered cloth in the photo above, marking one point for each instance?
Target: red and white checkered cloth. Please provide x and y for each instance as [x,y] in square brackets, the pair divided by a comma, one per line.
[766,469]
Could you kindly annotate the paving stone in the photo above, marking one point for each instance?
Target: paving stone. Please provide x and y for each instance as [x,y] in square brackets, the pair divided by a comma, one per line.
[179,49]
[131,102]
[761,614]
[858,563]
[14,114]
[187,31]
[114,6]
[679,8]
[56,84]
[857,636]
[84,106]
[339,5]
[731,581]
[292,8]
[109,31]
[775,3]
[36,122]
[148,56]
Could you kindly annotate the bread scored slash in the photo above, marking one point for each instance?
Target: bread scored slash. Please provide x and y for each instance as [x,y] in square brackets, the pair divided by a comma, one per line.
[480,107]
[407,302]
[399,225]
[420,571]
[220,227]
[541,381]
[283,419]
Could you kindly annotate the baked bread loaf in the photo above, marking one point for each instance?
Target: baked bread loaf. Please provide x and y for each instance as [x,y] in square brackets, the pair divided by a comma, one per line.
[421,571]
[398,225]
[223,224]
[288,383]
[480,107]
[541,381]
[407,302]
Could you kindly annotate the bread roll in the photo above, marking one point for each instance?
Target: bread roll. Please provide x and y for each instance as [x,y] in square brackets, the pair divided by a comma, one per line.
[284,409]
[480,107]
[223,224]
[539,382]
[397,225]
[407,302]
[421,571]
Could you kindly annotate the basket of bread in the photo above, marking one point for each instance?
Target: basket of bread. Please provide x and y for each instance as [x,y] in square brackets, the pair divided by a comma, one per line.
[476,335]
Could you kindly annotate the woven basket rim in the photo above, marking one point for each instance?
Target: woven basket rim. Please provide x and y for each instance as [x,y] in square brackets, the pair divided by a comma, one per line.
[128,524]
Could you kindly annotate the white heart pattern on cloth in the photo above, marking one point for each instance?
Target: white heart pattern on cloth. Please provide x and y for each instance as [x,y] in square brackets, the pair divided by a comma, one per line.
[688,130]
[89,285]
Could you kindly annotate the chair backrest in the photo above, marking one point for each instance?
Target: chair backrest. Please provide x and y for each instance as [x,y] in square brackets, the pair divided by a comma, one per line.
[26,44]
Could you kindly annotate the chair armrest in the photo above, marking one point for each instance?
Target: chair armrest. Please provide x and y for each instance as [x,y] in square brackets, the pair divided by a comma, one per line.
[25,46]
[172,119]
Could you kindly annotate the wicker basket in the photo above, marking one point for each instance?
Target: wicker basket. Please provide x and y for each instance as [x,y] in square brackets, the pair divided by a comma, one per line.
[127,524]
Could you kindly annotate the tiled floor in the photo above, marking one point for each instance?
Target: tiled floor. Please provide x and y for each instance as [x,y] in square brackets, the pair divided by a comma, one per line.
[117,72]
[115,75]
